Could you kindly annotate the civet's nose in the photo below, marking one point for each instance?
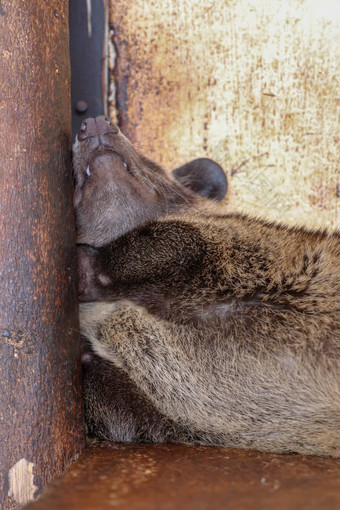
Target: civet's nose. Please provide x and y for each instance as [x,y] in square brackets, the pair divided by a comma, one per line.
[97,127]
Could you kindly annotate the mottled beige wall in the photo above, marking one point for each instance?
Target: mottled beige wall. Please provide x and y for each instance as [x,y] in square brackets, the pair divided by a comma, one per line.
[253,84]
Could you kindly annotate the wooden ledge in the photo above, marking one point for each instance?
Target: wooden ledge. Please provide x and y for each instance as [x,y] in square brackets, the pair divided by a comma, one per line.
[150,477]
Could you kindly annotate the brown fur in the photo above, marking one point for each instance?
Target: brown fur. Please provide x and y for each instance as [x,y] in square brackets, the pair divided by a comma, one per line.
[206,328]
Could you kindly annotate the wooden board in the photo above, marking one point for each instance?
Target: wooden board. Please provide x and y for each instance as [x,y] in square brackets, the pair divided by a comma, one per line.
[253,85]
[172,477]
[41,427]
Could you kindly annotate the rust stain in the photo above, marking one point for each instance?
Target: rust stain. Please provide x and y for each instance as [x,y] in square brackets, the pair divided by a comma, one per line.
[337,190]
[176,476]
[14,338]
[232,81]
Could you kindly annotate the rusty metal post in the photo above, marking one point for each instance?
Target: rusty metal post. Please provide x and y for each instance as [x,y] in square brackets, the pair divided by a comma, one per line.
[41,427]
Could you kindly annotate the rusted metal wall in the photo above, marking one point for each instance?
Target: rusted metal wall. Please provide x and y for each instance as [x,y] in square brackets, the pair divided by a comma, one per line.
[41,426]
[253,85]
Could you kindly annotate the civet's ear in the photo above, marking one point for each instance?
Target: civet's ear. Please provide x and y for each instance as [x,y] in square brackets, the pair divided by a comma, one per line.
[203,176]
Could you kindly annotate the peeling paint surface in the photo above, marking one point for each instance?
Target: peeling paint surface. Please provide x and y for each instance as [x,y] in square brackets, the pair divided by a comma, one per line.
[253,85]
[21,484]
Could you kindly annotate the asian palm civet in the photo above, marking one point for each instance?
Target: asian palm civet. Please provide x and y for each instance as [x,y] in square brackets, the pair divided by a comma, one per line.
[204,328]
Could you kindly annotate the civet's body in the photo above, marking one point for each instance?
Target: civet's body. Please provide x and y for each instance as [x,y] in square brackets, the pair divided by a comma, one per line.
[209,329]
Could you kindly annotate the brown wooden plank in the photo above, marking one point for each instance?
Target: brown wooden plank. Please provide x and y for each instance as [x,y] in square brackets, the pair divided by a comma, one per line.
[171,477]
[253,85]
[40,409]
